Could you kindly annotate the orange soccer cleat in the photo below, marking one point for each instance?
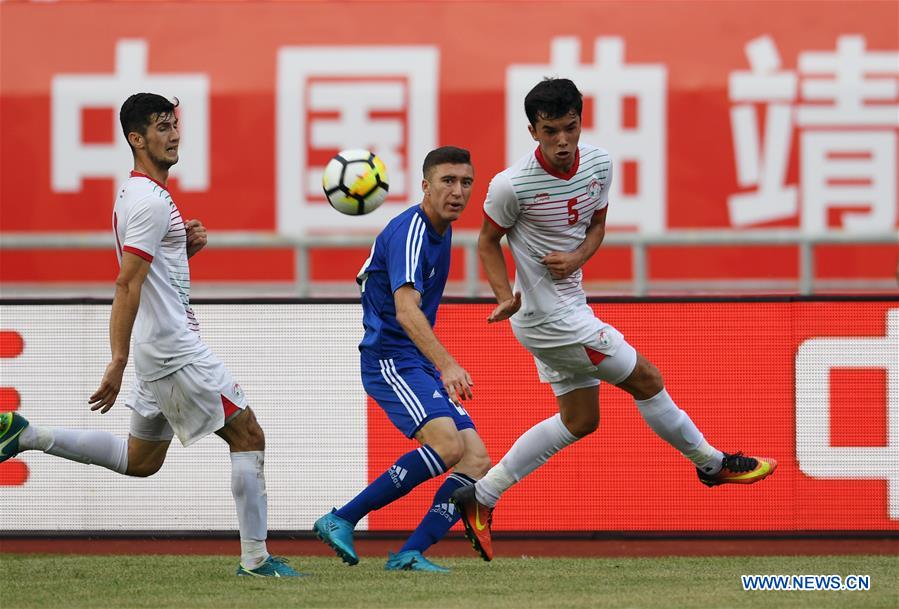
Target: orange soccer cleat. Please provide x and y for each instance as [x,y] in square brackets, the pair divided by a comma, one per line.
[739,469]
[477,519]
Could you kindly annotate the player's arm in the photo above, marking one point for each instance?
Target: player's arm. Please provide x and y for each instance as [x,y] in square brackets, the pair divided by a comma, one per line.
[196,236]
[121,321]
[409,315]
[491,253]
[563,264]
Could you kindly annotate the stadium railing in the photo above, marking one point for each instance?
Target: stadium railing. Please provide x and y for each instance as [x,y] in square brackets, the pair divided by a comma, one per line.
[640,285]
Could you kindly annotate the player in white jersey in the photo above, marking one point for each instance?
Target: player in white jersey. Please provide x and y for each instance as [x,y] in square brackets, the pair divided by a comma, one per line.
[552,205]
[181,387]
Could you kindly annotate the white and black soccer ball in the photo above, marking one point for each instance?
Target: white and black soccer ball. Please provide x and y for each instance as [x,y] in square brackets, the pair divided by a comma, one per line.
[355,182]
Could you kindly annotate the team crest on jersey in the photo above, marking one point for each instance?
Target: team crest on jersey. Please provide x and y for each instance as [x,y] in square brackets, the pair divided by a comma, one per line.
[542,197]
[594,188]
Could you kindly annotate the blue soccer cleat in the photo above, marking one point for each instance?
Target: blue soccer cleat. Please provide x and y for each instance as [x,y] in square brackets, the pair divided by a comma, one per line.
[412,560]
[274,566]
[11,427]
[337,533]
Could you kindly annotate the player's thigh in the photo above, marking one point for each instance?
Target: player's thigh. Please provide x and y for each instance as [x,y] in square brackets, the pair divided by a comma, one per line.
[242,432]
[411,394]
[148,443]
[644,381]
[440,433]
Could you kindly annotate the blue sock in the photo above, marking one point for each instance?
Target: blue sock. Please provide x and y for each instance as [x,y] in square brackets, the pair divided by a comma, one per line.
[440,518]
[409,471]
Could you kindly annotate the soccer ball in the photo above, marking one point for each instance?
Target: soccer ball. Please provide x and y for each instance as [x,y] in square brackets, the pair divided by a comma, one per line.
[355,182]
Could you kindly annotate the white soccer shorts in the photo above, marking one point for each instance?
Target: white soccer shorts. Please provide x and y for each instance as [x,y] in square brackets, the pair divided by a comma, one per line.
[577,350]
[195,400]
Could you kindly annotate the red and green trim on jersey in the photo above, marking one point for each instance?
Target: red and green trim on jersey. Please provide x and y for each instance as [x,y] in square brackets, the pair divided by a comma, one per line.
[555,172]
[128,248]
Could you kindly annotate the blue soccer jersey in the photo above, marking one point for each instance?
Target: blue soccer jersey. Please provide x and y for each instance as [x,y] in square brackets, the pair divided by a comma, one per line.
[408,251]
[404,382]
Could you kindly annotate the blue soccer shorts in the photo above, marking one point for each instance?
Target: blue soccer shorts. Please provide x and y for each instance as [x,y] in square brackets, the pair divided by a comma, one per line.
[411,393]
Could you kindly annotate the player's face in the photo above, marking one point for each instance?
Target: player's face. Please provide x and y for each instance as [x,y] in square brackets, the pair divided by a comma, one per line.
[558,138]
[447,190]
[162,140]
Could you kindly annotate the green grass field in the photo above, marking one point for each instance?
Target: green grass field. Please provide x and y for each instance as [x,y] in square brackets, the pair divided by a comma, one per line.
[46,581]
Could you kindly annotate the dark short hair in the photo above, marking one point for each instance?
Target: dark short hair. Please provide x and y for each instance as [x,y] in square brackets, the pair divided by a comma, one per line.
[553,98]
[139,109]
[445,154]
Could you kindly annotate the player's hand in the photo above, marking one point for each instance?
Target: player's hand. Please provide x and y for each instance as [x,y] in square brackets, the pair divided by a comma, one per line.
[562,264]
[505,309]
[105,396]
[196,236]
[457,382]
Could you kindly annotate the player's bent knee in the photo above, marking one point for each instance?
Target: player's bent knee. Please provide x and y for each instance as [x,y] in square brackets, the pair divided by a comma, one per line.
[144,469]
[582,426]
[450,448]
[474,465]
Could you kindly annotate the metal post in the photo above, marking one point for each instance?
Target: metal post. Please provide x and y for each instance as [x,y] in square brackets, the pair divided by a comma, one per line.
[806,267]
[638,260]
[301,270]
[472,280]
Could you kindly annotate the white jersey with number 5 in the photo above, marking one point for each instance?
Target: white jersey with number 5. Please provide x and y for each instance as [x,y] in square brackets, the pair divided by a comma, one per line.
[543,211]
[147,223]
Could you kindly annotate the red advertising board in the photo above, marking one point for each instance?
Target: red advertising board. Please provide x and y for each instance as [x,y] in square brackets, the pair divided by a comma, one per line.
[718,114]
[815,385]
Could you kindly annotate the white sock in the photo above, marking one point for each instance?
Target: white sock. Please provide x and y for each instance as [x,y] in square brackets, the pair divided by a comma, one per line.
[675,427]
[248,488]
[530,451]
[82,445]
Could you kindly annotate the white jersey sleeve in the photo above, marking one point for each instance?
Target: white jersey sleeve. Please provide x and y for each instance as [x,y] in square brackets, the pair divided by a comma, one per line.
[501,207]
[148,223]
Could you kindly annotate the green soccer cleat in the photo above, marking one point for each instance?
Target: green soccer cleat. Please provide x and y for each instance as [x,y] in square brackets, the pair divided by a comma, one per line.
[11,427]
[337,533]
[274,566]
[412,560]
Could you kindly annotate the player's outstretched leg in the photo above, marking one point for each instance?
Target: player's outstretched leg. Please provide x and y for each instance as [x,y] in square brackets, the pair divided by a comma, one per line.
[274,566]
[412,560]
[477,519]
[337,533]
[11,427]
[739,469]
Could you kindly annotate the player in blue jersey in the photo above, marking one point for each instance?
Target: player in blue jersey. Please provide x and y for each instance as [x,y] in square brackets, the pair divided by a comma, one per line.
[408,372]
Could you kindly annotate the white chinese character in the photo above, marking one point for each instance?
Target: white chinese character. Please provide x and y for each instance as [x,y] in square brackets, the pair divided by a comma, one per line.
[609,81]
[817,457]
[850,171]
[849,88]
[379,98]
[72,160]
[841,170]
[762,164]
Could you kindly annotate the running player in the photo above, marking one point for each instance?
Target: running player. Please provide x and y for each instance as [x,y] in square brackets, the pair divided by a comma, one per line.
[181,387]
[408,372]
[552,205]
